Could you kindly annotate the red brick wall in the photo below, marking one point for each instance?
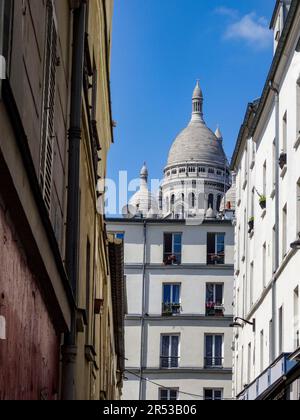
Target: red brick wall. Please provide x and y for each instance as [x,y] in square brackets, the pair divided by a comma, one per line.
[29,357]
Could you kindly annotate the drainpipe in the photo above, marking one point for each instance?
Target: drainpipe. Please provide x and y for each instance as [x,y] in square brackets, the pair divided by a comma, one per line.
[69,350]
[275,89]
[141,389]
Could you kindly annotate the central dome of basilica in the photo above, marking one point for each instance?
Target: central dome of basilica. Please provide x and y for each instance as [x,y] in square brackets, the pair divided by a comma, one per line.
[197,143]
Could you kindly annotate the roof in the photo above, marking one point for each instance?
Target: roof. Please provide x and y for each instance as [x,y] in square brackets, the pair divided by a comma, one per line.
[163,221]
[276,61]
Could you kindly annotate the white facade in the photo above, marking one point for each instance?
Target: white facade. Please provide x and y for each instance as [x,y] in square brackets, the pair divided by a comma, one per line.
[267,283]
[148,271]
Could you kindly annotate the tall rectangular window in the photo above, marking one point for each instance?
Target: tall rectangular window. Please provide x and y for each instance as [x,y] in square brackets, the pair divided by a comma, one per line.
[214,351]
[215,248]
[251,283]
[265,179]
[296,319]
[261,351]
[270,342]
[214,299]
[274,249]
[284,133]
[171,299]
[169,357]
[284,231]
[168,394]
[249,364]
[280,330]
[264,265]
[274,163]
[49,88]
[213,394]
[298,207]
[172,248]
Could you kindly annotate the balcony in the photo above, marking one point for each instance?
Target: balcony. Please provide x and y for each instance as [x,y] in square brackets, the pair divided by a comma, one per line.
[170,309]
[215,309]
[213,362]
[216,259]
[172,259]
[169,362]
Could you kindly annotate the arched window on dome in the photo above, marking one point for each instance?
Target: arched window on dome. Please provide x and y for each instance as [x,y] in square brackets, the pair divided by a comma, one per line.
[211,201]
[219,200]
[192,200]
[172,202]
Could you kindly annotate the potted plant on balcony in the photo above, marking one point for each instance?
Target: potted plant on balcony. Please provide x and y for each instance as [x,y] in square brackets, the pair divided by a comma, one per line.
[251,224]
[263,201]
[176,308]
[282,160]
[167,309]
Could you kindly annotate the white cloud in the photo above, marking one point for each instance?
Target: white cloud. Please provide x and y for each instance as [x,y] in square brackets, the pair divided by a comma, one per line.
[252,29]
[226,11]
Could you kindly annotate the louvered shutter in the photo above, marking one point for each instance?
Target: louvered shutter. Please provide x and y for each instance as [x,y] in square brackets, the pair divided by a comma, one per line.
[48,131]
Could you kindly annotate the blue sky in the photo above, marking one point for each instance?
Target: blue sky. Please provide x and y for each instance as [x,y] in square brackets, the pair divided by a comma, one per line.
[159,49]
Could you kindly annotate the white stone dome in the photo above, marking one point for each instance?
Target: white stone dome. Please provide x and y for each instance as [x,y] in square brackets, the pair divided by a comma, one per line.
[229,200]
[197,143]
[143,203]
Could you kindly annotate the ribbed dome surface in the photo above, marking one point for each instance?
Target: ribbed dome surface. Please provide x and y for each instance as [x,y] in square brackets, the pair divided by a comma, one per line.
[197,143]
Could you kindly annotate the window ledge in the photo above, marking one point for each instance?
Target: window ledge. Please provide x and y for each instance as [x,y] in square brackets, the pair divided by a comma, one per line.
[273,193]
[243,258]
[283,172]
[237,272]
[297,143]
[252,164]
[245,184]
[264,212]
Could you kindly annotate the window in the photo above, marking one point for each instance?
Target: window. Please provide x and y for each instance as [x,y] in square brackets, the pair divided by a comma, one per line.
[284,133]
[172,248]
[211,201]
[280,330]
[264,264]
[214,351]
[274,159]
[174,172]
[119,235]
[261,351]
[202,170]
[182,170]
[194,184]
[211,171]
[219,173]
[171,299]
[284,231]
[215,248]
[192,169]
[49,88]
[249,364]
[265,179]
[251,283]
[172,202]
[213,394]
[169,351]
[214,299]
[219,200]
[168,394]
[192,200]
[296,318]
[270,341]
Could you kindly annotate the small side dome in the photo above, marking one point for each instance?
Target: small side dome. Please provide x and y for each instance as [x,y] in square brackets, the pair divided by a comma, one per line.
[229,200]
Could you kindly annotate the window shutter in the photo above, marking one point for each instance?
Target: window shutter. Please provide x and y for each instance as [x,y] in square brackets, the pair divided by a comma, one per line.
[46,167]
